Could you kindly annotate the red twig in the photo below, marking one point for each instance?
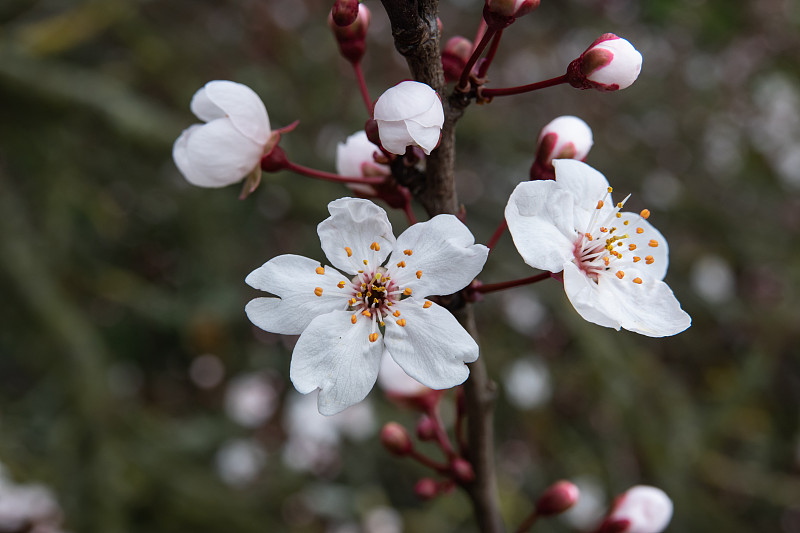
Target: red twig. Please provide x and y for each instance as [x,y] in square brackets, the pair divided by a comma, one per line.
[328,176]
[463,82]
[497,234]
[492,287]
[362,87]
[490,55]
[507,91]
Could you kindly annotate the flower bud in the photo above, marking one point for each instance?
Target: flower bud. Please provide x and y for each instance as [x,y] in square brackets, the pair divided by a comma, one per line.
[462,470]
[609,64]
[351,38]
[426,489]
[426,428]
[455,55]
[409,114]
[394,438]
[356,157]
[344,12]
[558,498]
[511,8]
[641,509]
[565,137]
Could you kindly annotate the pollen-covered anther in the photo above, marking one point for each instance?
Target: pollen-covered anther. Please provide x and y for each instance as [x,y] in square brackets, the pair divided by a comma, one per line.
[318,291]
[618,215]
[600,204]
[631,247]
[638,281]
[620,274]
[375,246]
[396,313]
[653,243]
[407,291]
[320,270]
[349,251]
[408,252]
[645,213]
[341,284]
[636,258]
[366,313]
[639,230]
[426,305]
[419,274]
[401,264]
[354,319]
[620,204]
[401,322]
[649,260]
[365,262]
[589,236]
[373,337]
[606,260]
[627,222]
[603,230]
[610,189]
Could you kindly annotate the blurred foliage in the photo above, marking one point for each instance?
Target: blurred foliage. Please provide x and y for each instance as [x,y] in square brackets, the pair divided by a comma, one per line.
[117,275]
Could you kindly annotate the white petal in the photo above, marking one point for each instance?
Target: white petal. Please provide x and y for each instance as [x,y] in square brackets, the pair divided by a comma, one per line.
[405,100]
[432,347]
[625,65]
[587,185]
[540,220]
[243,106]
[293,279]
[649,308]
[425,137]
[433,117]
[584,295]
[215,154]
[443,252]
[569,130]
[204,108]
[337,357]
[353,153]
[394,136]
[394,379]
[648,509]
[355,224]
[658,268]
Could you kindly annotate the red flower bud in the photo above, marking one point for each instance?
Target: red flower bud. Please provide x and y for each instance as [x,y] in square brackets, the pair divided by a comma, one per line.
[394,438]
[455,55]
[462,470]
[344,12]
[351,38]
[557,498]
[426,488]
[426,428]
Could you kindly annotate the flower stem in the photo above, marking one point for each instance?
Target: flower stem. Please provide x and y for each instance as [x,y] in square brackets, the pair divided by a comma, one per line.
[528,523]
[463,82]
[441,435]
[362,87]
[427,461]
[507,91]
[328,176]
[412,218]
[497,234]
[490,55]
[492,287]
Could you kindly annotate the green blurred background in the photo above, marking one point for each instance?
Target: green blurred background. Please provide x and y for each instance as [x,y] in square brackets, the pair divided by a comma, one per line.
[123,327]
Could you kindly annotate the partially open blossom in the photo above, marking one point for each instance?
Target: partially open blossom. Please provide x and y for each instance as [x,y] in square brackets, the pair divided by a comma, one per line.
[612,262]
[409,114]
[351,38]
[347,321]
[609,64]
[641,509]
[565,137]
[511,8]
[355,157]
[455,54]
[230,144]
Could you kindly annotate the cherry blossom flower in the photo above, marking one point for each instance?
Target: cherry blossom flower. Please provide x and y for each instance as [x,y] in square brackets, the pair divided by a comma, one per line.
[347,320]
[609,64]
[229,146]
[409,114]
[641,509]
[613,262]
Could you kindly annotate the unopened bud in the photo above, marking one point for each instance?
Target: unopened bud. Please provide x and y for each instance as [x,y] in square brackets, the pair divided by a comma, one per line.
[352,38]
[558,498]
[455,55]
[344,12]
[394,438]
[426,428]
[565,137]
[462,470]
[274,160]
[641,509]
[609,64]
[510,8]
[426,488]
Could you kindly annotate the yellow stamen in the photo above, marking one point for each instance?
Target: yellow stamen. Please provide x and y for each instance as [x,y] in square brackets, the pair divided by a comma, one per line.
[349,251]
[589,236]
[626,222]
[407,291]
[610,189]
[401,264]
[653,243]
[600,204]
[407,252]
[619,215]
[636,258]
[603,230]
[631,247]
[375,246]
[352,301]
[354,319]
[401,322]
[645,213]
[649,260]
[637,280]
[318,291]
[373,337]
[341,284]
[427,305]
[366,313]
[620,274]
[619,204]
[639,231]
[396,313]
[382,323]
[606,260]
[366,262]
[320,271]
[419,274]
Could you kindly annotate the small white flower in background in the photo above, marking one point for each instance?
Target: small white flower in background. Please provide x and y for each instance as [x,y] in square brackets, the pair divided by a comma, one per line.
[588,512]
[613,262]
[527,383]
[609,64]
[240,461]
[347,321]
[645,509]
[355,157]
[229,146]
[250,399]
[394,381]
[565,137]
[27,507]
[409,114]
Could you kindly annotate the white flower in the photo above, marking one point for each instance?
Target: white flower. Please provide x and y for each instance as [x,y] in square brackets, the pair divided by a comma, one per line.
[646,510]
[565,137]
[250,399]
[230,144]
[347,321]
[409,114]
[354,157]
[613,263]
[609,64]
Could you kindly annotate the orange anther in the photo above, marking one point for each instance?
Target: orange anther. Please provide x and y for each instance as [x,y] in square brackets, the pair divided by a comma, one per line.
[653,243]
[639,231]
[606,260]
[427,305]
[354,319]
[619,215]
[366,313]
[631,247]
[589,236]
[645,213]
[320,271]
[610,189]
[419,274]
[349,251]
[600,204]
[407,291]
[318,291]
[373,337]
[401,264]
[637,280]
[636,258]
[407,252]
[620,274]
[603,229]
[619,204]
[341,284]
[649,260]
[401,322]
[365,262]
[396,313]
[626,222]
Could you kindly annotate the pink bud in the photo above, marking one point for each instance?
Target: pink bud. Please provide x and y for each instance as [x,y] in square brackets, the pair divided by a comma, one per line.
[351,38]
[511,8]
[609,64]
[641,509]
[394,438]
[426,488]
[426,428]
[462,470]
[455,55]
[558,498]
[565,137]
[344,12]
